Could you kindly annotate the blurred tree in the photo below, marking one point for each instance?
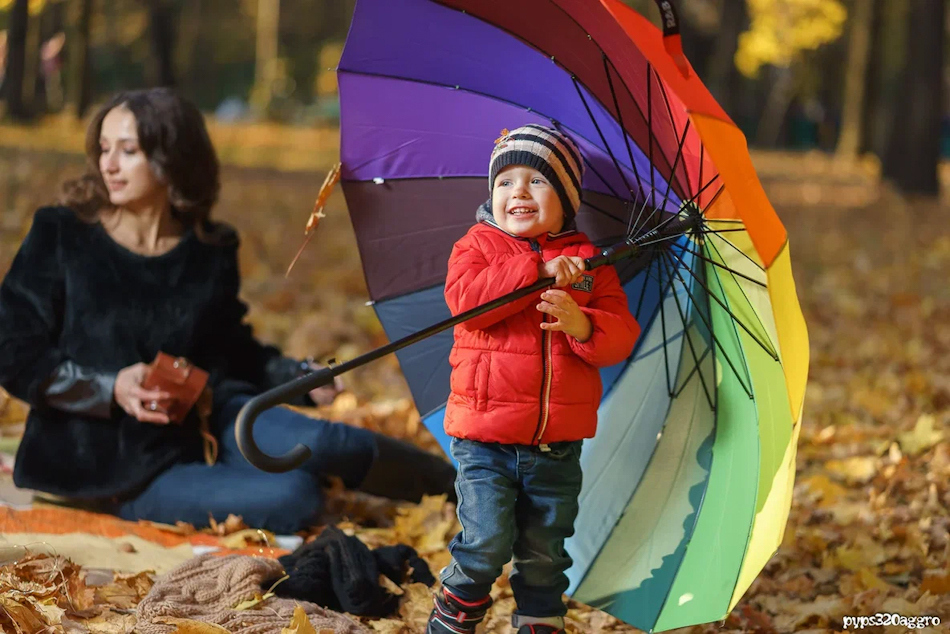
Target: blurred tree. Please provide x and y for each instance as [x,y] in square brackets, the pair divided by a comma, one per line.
[780,33]
[161,32]
[266,69]
[79,80]
[859,48]
[913,152]
[14,72]
[721,76]
[873,140]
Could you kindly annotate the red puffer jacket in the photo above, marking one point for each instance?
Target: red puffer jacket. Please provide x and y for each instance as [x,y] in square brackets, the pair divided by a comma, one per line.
[512,381]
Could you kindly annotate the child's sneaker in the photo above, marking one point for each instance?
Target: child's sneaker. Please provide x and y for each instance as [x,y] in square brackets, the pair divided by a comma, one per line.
[539,628]
[453,615]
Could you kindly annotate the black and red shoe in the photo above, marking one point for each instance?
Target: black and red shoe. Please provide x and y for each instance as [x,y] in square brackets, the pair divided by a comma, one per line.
[454,615]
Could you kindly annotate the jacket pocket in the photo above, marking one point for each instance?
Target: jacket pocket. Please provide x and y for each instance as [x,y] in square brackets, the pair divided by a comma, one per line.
[482,373]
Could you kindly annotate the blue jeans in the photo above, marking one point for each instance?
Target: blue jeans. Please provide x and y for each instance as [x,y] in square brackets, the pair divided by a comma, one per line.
[280,502]
[515,501]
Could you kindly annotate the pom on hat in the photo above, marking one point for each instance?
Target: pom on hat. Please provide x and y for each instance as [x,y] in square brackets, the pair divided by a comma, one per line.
[547,150]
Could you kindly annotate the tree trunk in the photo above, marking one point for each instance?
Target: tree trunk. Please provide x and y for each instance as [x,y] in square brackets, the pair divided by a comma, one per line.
[79,81]
[872,139]
[776,108]
[852,112]
[161,31]
[16,59]
[914,150]
[723,76]
[265,70]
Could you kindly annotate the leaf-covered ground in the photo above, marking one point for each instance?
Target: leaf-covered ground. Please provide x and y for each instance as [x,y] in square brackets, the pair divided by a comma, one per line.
[868,531]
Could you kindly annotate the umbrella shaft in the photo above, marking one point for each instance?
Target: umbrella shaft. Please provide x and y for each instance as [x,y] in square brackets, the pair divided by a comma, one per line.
[628,249]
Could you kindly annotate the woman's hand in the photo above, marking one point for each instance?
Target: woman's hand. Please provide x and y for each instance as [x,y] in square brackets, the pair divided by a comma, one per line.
[131,396]
[326,394]
[564,268]
[568,315]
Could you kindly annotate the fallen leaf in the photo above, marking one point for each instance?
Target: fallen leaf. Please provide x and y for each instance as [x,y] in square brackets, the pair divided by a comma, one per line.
[855,470]
[108,622]
[936,582]
[299,623]
[922,437]
[249,537]
[824,489]
[25,615]
[388,626]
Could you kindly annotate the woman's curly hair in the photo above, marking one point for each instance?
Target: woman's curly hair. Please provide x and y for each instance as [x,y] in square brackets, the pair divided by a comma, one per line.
[172,134]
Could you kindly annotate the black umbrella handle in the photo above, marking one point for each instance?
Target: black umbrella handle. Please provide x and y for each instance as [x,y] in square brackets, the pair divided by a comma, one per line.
[244,426]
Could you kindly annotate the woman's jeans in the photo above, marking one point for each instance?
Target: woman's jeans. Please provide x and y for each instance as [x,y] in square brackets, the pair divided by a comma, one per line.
[515,500]
[280,502]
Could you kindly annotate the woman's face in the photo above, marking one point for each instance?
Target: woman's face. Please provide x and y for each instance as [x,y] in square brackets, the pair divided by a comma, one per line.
[124,167]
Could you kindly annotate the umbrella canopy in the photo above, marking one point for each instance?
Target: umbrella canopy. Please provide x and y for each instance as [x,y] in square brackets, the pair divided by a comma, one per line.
[688,483]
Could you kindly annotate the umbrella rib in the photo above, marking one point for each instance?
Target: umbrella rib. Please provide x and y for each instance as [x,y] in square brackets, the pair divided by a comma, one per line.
[623,130]
[604,211]
[743,253]
[723,267]
[666,195]
[603,139]
[726,308]
[669,110]
[715,339]
[679,309]
[643,289]
[643,117]
[691,373]
[594,170]
[708,244]
[650,128]
[699,180]
[666,356]
[718,231]
[630,222]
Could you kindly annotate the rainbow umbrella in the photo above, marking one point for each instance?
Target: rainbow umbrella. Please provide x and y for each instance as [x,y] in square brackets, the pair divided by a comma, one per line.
[688,482]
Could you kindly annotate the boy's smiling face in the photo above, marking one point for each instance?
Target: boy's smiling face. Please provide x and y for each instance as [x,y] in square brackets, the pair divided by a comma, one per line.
[524,203]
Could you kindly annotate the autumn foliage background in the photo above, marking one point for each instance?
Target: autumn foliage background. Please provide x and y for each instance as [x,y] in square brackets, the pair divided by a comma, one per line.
[869,529]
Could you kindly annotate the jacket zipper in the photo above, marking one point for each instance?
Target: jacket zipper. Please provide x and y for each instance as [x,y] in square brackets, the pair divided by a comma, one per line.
[546,372]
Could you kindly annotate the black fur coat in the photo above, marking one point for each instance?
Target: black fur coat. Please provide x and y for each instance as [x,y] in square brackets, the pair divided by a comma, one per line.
[75,296]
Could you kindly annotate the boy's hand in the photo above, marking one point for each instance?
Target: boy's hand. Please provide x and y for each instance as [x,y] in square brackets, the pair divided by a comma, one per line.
[568,315]
[565,269]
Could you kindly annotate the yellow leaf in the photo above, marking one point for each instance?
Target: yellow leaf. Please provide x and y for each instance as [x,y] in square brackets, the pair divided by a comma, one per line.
[299,624]
[827,491]
[249,537]
[871,581]
[922,437]
[389,626]
[855,470]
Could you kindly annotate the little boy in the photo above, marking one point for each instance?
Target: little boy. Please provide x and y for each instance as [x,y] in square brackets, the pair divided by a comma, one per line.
[525,384]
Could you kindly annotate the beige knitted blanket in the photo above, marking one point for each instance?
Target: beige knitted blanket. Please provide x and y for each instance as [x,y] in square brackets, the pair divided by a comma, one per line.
[207,588]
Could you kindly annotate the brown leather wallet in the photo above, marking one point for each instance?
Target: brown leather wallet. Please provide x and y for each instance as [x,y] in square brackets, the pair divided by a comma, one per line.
[187,386]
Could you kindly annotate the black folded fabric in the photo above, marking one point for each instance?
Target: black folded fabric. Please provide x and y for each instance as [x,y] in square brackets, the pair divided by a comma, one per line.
[341,573]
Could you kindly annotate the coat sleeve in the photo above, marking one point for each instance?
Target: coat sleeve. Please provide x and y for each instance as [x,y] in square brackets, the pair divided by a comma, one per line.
[31,312]
[473,281]
[246,358]
[615,330]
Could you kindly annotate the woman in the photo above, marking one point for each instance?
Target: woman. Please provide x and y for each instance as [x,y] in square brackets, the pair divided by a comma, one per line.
[133,265]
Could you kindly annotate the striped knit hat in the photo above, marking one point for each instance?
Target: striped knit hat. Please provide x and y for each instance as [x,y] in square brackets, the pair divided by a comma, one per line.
[549,151]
